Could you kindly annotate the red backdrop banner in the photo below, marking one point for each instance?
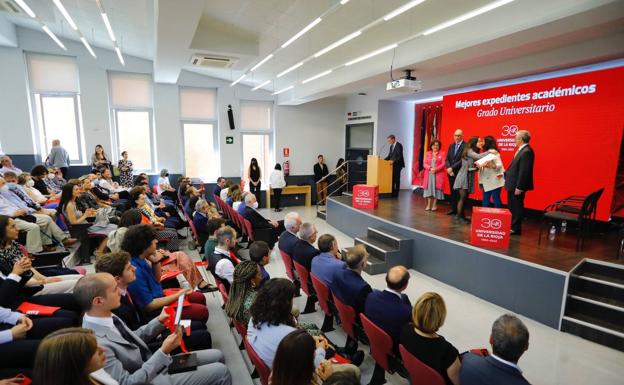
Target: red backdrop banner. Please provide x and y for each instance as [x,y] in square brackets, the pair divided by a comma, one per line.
[576,125]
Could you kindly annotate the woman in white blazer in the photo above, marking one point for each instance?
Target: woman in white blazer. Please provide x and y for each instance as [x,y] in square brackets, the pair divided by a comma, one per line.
[277,182]
[492,175]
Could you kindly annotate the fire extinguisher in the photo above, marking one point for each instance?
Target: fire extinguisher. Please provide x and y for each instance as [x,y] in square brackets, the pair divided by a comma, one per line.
[286,168]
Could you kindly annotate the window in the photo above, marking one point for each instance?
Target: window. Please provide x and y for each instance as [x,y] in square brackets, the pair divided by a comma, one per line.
[56,104]
[131,104]
[256,122]
[198,110]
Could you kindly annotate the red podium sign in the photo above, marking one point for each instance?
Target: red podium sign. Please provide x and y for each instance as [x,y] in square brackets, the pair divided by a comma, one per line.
[365,196]
[490,227]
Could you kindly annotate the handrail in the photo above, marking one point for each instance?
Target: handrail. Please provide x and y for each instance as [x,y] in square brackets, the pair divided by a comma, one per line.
[326,188]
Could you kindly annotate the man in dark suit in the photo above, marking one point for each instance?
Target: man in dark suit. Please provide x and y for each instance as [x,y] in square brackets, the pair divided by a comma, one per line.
[395,156]
[268,230]
[453,164]
[288,239]
[391,309]
[519,179]
[303,254]
[509,340]
[348,284]
[320,172]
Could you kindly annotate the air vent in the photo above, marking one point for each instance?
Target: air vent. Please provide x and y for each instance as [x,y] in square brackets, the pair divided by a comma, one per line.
[213,61]
[9,6]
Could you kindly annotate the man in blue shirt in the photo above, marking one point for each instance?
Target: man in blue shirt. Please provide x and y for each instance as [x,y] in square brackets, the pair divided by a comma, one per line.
[328,261]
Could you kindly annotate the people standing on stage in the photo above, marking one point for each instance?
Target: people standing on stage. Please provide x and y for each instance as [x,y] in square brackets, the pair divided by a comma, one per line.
[254,175]
[433,177]
[453,164]
[491,175]
[464,179]
[320,172]
[519,179]
[395,156]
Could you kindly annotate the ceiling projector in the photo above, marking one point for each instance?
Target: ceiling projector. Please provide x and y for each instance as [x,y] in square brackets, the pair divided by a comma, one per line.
[406,84]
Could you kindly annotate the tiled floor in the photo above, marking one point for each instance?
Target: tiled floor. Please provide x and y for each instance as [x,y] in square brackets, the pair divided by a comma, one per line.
[553,357]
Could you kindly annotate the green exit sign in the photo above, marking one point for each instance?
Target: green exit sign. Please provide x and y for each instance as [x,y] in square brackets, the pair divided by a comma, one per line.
[229,140]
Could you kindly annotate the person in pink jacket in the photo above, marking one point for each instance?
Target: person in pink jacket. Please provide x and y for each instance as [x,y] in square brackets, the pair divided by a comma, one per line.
[433,178]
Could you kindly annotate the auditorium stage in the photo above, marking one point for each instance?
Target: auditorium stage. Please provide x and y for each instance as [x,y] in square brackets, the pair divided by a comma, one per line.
[527,278]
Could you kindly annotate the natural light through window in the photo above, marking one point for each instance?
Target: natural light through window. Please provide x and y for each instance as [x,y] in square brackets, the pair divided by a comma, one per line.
[259,147]
[133,130]
[200,161]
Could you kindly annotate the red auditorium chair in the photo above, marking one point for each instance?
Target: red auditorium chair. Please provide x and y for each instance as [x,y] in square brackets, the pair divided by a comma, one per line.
[381,348]
[322,293]
[263,370]
[347,317]
[288,265]
[420,374]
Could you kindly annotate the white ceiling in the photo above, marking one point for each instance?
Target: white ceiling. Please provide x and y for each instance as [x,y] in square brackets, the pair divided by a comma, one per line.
[521,37]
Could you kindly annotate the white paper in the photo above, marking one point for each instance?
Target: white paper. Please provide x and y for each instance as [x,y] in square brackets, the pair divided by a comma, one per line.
[178,315]
[485,159]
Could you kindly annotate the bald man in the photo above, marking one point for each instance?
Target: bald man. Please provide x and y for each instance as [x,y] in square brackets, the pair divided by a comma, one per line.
[390,309]
[453,164]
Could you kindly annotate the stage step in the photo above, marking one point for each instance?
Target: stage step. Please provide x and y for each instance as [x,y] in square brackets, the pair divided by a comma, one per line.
[321,214]
[594,307]
[386,249]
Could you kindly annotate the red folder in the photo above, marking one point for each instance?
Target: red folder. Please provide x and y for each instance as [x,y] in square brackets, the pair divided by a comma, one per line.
[168,292]
[25,380]
[169,274]
[202,263]
[168,260]
[338,359]
[34,309]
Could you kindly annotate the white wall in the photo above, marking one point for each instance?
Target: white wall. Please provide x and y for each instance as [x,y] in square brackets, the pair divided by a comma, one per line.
[397,118]
[308,129]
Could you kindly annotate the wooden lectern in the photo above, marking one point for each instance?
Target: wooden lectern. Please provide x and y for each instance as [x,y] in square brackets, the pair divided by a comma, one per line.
[379,172]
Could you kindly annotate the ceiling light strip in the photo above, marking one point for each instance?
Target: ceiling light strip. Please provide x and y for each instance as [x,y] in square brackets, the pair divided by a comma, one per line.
[26,8]
[337,43]
[466,16]
[290,69]
[243,76]
[87,46]
[266,59]
[404,8]
[372,54]
[325,73]
[65,14]
[261,85]
[283,90]
[119,55]
[53,36]
[302,32]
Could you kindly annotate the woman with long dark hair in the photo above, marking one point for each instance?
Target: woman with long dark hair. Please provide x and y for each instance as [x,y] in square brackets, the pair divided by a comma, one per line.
[243,292]
[71,357]
[294,361]
[277,183]
[254,175]
[464,181]
[99,160]
[492,174]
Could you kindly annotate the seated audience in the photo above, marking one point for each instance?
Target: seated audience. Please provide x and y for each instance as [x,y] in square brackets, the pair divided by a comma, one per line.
[51,181]
[237,199]
[71,356]
[192,197]
[294,362]
[258,222]
[7,165]
[288,239]
[20,336]
[41,231]
[212,227]
[11,181]
[328,261]
[118,265]
[146,291]
[230,195]
[240,206]
[421,339]
[128,359]
[73,215]
[11,253]
[224,191]
[39,173]
[183,183]
[391,309]
[27,183]
[342,378]
[220,185]
[509,340]
[163,233]
[201,216]
[304,251]
[243,291]
[260,253]
[348,284]
[164,188]
[221,263]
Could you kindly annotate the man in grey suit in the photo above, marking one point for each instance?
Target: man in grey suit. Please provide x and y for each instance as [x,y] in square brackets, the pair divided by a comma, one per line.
[128,359]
